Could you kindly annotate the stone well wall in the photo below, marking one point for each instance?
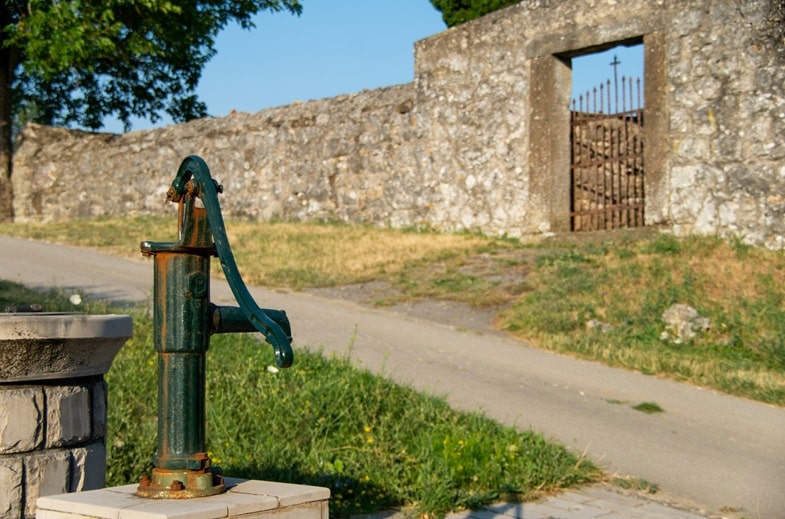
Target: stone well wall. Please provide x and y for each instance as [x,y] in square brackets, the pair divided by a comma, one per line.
[53,404]
[479,140]
[51,442]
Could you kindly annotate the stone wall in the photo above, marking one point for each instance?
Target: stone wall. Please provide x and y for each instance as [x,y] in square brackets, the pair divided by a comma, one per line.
[479,140]
[726,111]
[349,158]
[495,93]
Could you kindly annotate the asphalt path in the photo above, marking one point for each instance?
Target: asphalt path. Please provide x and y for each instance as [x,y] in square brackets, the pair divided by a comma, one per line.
[706,449]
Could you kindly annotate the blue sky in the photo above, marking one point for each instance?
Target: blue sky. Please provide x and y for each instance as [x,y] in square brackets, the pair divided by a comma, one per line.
[335,47]
[592,70]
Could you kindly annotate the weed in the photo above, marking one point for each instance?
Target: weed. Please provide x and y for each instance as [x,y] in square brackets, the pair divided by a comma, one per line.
[374,443]
[742,353]
[324,422]
[664,244]
[636,484]
[13,295]
[649,408]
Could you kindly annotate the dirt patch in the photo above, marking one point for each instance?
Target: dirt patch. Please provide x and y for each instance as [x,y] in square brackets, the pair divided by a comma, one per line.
[468,292]
[420,292]
[459,315]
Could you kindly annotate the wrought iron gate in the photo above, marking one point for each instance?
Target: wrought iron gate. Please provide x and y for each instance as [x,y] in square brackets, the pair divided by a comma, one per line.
[607,158]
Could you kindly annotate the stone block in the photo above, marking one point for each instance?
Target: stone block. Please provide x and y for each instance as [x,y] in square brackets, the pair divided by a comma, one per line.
[11,481]
[88,467]
[67,415]
[288,494]
[98,409]
[21,419]
[46,474]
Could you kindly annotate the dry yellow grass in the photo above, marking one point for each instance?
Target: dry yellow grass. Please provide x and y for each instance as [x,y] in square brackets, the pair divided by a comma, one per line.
[302,254]
[272,254]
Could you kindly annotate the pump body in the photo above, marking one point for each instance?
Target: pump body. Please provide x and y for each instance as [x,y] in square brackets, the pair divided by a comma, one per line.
[183,320]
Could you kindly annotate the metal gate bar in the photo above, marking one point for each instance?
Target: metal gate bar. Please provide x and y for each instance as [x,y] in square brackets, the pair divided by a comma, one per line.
[607,160]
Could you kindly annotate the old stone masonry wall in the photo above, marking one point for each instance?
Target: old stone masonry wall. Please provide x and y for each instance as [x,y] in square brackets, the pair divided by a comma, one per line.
[480,139]
[349,158]
[726,85]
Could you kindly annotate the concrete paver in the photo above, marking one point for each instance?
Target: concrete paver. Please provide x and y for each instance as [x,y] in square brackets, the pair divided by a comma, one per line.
[594,502]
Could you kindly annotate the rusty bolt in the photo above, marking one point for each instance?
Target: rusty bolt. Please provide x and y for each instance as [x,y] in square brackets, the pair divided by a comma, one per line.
[203,459]
[145,481]
[176,485]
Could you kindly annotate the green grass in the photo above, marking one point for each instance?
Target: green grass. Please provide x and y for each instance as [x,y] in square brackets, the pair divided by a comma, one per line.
[629,285]
[636,485]
[374,443]
[14,295]
[323,422]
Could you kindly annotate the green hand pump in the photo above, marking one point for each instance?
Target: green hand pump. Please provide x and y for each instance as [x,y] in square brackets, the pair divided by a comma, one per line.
[184,319]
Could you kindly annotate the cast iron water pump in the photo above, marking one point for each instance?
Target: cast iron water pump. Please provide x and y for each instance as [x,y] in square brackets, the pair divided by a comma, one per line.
[183,319]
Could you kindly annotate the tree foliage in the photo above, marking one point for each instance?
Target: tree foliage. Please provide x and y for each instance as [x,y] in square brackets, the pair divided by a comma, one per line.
[456,12]
[76,62]
[83,60]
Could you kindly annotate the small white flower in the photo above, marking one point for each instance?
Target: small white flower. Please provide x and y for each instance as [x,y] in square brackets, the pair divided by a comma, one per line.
[272,369]
[75,299]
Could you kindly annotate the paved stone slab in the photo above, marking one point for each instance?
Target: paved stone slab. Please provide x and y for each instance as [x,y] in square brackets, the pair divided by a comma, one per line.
[243,500]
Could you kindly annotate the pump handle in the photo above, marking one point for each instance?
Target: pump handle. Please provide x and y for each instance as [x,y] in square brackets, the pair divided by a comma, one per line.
[194,169]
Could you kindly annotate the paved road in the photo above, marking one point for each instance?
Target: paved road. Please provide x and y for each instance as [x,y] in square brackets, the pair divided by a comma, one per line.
[709,450]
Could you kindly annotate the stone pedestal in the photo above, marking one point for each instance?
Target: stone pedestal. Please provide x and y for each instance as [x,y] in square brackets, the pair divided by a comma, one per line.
[53,404]
[244,499]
